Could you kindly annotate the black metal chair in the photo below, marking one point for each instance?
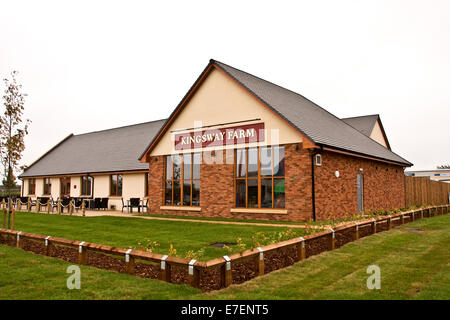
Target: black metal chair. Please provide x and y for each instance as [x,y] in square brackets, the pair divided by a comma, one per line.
[134,203]
[65,203]
[145,206]
[77,204]
[104,203]
[54,204]
[97,203]
[21,201]
[42,202]
[125,205]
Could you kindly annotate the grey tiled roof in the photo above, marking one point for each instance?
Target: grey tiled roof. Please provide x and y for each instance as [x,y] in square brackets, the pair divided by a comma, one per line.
[363,124]
[109,150]
[317,124]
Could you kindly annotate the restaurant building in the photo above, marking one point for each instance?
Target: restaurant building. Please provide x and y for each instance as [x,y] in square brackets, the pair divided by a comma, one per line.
[237,146]
[100,164]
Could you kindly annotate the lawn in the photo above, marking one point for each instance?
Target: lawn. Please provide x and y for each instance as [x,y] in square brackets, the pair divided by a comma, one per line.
[414,265]
[310,223]
[136,232]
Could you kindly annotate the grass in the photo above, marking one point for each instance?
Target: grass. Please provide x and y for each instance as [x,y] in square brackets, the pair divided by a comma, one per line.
[312,223]
[28,276]
[129,232]
[413,266]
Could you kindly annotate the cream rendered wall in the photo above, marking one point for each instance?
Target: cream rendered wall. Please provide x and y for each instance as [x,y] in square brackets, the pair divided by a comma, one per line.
[133,186]
[101,186]
[39,187]
[75,184]
[377,135]
[56,187]
[25,187]
[220,100]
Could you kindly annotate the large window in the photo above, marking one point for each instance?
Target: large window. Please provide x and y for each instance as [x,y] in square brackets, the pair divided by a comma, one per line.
[32,186]
[47,186]
[116,185]
[183,180]
[259,177]
[86,185]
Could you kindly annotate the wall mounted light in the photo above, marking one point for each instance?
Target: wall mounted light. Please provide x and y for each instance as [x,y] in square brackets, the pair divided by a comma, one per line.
[336,174]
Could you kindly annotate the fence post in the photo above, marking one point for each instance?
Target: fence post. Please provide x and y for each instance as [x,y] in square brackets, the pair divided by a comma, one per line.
[70,207]
[13,218]
[227,276]
[402,219]
[59,206]
[332,240]
[301,252]
[165,269]
[193,274]
[389,222]
[421,213]
[260,261]
[3,203]
[129,261]
[4,218]
[29,204]
[374,226]
[83,208]
[356,231]
[18,239]
[81,253]
[412,215]
[48,206]
[47,246]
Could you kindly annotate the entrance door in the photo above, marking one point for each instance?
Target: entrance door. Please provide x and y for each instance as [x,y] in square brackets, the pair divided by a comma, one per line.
[360,192]
[65,187]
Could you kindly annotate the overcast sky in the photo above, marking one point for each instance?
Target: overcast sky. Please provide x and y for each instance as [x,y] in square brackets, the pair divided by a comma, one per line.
[92,65]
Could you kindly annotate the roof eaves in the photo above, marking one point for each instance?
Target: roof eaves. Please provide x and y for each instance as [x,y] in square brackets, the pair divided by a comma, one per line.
[180,104]
[46,153]
[404,162]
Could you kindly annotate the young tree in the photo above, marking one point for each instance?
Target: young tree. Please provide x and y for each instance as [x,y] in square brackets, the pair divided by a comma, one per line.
[444,166]
[12,133]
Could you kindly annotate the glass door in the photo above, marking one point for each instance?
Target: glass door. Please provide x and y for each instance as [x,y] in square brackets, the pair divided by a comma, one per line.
[65,187]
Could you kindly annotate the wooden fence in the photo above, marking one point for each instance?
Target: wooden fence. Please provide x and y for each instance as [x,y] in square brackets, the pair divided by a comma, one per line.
[216,273]
[421,191]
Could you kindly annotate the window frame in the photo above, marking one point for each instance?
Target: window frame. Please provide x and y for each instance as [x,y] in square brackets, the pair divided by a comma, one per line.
[318,159]
[116,191]
[181,180]
[47,187]
[258,177]
[82,183]
[32,184]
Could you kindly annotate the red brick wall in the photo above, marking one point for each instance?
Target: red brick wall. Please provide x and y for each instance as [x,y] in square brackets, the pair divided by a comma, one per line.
[384,186]
[334,196]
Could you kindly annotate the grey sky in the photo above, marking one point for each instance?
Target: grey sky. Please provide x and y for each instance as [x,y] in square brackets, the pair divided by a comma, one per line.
[92,65]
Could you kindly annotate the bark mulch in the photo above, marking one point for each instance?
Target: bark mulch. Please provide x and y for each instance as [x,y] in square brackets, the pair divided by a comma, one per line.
[147,270]
[282,258]
[344,236]
[317,245]
[33,246]
[211,278]
[365,230]
[244,270]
